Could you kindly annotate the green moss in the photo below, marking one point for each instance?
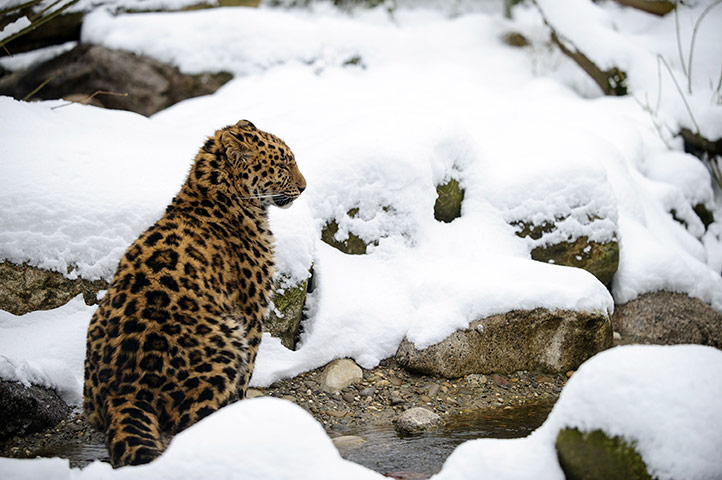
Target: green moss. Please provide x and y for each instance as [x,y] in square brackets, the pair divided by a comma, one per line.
[599,259]
[353,245]
[448,201]
[284,320]
[594,455]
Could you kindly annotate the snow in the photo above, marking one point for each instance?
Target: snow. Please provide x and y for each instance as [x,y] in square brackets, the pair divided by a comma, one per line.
[430,98]
[46,348]
[662,399]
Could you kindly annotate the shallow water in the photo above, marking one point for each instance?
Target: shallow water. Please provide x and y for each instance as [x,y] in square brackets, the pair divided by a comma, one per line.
[409,457]
[422,455]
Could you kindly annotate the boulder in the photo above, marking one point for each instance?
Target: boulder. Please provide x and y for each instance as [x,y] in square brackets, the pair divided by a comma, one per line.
[28,409]
[594,455]
[417,419]
[448,201]
[352,244]
[599,259]
[339,374]
[284,319]
[669,318]
[128,81]
[540,339]
[25,289]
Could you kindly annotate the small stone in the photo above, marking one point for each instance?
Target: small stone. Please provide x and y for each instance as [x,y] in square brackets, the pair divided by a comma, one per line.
[570,373]
[347,396]
[395,398]
[500,381]
[425,398]
[368,392]
[348,441]
[339,374]
[434,390]
[616,336]
[395,381]
[417,419]
[290,398]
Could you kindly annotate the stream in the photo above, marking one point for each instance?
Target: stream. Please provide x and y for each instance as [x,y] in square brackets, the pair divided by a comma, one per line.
[422,455]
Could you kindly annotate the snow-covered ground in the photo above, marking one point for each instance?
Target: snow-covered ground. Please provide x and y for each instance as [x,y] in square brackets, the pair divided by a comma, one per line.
[525,132]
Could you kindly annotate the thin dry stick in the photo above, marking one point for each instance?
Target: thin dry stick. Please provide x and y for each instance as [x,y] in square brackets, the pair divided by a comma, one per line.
[19,7]
[85,100]
[39,87]
[694,37]
[37,24]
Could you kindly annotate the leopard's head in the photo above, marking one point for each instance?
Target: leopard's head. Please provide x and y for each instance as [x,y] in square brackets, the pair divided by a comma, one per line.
[264,167]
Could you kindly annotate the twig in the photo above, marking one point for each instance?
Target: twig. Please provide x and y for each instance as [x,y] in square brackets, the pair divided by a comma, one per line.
[19,7]
[39,87]
[679,39]
[694,37]
[85,100]
[37,23]
[679,89]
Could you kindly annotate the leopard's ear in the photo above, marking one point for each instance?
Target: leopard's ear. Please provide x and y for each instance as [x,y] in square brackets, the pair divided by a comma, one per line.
[236,150]
[246,124]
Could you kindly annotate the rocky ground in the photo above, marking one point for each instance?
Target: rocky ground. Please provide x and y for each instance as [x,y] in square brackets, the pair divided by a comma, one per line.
[382,394]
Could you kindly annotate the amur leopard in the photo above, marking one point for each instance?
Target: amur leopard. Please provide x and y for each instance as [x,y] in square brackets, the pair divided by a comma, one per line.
[175,338]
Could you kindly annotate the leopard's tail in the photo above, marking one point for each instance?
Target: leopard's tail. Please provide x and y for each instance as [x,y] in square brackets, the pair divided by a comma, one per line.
[133,433]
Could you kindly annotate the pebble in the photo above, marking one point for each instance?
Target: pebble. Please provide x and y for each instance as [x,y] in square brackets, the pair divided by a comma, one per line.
[425,398]
[500,381]
[348,441]
[368,392]
[395,397]
[434,390]
[395,381]
[348,396]
[416,419]
[339,374]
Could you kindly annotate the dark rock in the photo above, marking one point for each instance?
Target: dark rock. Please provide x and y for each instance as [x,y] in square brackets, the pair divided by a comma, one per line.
[136,83]
[449,197]
[554,341]
[594,455]
[25,289]
[28,409]
[656,7]
[669,318]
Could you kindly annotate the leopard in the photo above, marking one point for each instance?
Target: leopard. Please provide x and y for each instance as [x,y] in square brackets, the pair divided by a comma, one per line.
[176,335]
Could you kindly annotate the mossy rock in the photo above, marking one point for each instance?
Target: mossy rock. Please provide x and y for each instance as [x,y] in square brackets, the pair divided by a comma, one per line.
[599,259]
[25,289]
[352,245]
[594,455]
[449,197]
[284,319]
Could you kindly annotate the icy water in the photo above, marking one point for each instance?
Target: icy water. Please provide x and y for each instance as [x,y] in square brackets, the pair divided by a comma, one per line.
[408,457]
[420,456]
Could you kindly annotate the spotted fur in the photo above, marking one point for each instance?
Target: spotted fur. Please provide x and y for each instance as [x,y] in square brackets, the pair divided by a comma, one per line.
[176,336]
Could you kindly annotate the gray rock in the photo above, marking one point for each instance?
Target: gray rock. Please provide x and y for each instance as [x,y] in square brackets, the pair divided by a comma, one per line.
[417,419]
[339,374]
[668,318]
[28,409]
[138,83]
[25,289]
[553,341]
